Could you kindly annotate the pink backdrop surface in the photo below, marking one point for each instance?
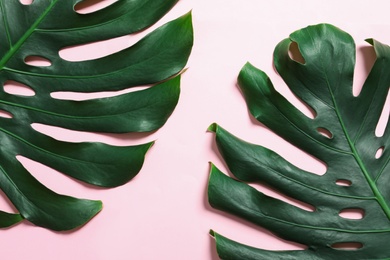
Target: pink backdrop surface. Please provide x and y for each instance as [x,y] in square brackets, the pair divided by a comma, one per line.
[163,212]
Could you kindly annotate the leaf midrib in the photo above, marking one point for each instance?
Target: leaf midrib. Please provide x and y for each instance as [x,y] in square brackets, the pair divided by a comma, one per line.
[316,227]
[58,76]
[25,36]
[74,117]
[378,195]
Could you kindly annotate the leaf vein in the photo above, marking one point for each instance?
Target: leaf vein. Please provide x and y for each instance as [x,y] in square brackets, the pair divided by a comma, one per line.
[299,129]
[379,197]
[6,25]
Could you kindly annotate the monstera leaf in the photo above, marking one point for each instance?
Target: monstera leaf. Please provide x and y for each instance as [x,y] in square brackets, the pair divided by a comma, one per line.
[42,29]
[355,179]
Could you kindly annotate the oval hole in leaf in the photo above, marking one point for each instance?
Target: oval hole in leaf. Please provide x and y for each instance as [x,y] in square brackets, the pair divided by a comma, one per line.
[346,183]
[379,152]
[5,114]
[347,245]
[383,119]
[79,96]
[94,50]
[352,213]
[26,2]
[37,61]
[325,132]
[90,6]
[295,54]
[17,88]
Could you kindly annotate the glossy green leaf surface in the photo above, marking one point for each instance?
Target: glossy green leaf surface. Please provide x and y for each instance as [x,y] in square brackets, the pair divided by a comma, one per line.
[8,219]
[324,82]
[42,29]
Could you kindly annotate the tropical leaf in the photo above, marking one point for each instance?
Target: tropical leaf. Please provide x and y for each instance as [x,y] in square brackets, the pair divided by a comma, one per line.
[324,82]
[42,29]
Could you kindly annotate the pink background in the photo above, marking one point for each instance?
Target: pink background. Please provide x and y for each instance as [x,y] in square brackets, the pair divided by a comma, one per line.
[163,213]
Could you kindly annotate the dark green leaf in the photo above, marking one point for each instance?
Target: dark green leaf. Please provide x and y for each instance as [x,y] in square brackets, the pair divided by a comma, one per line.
[324,82]
[42,29]
[7,219]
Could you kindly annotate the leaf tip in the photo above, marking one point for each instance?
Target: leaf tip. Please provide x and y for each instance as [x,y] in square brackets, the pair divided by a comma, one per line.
[187,19]
[247,65]
[98,206]
[183,71]
[212,233]
[211,165]
[370,41]
[188,14]
[213,128]
[150,145]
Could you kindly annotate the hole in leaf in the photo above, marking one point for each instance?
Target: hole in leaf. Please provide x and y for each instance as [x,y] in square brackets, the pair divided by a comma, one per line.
[300,104]
[352,213]
[73,136]
[300,158]
[79,96]
[347,246]
[365,59]
[5,114]
[17,88]
[37,61]
[294,99]
[346,183]
[325,132]
[94,50]
[383,119]
[26,2]
[295,53]
[90,6]
[379,152]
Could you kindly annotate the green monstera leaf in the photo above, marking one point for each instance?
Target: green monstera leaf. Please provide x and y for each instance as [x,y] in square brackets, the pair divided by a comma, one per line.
[324,82]
[42,29]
